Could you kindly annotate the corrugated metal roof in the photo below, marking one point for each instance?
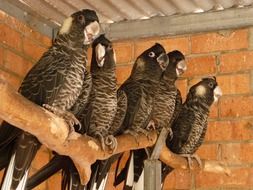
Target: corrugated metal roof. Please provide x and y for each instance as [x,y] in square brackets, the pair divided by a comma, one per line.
[113,11]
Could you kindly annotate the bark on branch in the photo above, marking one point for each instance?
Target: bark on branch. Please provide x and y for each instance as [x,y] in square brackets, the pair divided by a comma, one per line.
[52,131]
[178,162]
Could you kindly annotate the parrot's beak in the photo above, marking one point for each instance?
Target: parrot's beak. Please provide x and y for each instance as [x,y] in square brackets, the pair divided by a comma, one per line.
[163,61]
[181,67]
[217,93]
[90,32]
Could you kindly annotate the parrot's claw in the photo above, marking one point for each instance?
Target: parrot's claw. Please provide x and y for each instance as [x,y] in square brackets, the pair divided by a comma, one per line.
[70,119]
[111,142]
[151,125]
[189,159]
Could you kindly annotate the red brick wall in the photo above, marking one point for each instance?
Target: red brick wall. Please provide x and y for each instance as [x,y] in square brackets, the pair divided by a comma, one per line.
[225,54]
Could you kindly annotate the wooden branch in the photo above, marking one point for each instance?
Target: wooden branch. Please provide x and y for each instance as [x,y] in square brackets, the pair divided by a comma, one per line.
[52,131]
[178,162]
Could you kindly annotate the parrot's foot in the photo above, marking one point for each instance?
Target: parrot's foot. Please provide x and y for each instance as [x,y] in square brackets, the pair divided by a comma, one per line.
[110,141]
[151,125]
[67,116]
[189,159]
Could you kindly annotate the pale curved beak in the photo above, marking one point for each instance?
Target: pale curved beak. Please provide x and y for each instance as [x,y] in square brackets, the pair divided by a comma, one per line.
[181,67]
[100,55]
[217,93]
[90,32]
[163,61]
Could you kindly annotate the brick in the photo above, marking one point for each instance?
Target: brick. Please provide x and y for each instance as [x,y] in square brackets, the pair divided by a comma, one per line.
[236,61]
[110,181]
[10,37]
[237,153]
[234,84]
[124,52]
[246,154]
[54,182]
[46,41]
[241,177]
[89,54]
[12,80]
[42,186]
[236,106]
[123,72]
[1,56]
[1,174]
[213,111]
[32,49]
[142,45]
[219,41]
[181,44]
[210,180]
[194,81]
[230,130]
[178,179]
[204,65]
[41,158]
[170,181]
[183,179]
[17,64]
[208,151]
[182,86]
[231,153]
[24,29]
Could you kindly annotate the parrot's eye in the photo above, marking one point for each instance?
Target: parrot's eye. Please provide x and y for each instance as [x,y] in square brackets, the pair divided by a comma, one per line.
[210,84]
[151,54]
[81,18]
[109,46]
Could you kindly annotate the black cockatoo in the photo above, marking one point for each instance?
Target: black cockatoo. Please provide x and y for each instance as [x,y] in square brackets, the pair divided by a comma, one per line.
[141,87]
[161,116]
[137,96]
[190,127]
[55,82]
[97,115]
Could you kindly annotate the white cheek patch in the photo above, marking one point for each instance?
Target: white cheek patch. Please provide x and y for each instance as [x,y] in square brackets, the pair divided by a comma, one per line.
[100,55]
[66,26]
[200,90]
[217,93]
[91,31]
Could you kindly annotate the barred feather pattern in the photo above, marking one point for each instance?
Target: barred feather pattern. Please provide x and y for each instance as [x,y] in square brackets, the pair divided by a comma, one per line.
[197,132]
[57,78]
[140,95]
[82,99]
[190,127]
[164,104]
[120,113]
[103,100]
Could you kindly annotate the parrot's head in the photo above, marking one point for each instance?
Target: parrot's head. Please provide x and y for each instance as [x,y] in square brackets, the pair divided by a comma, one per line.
[177,64]
[103,55]
[152,62]
[207,90]
[84,24]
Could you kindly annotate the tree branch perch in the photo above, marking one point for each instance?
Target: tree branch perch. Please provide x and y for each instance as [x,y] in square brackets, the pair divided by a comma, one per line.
[52,131]
[178,162]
